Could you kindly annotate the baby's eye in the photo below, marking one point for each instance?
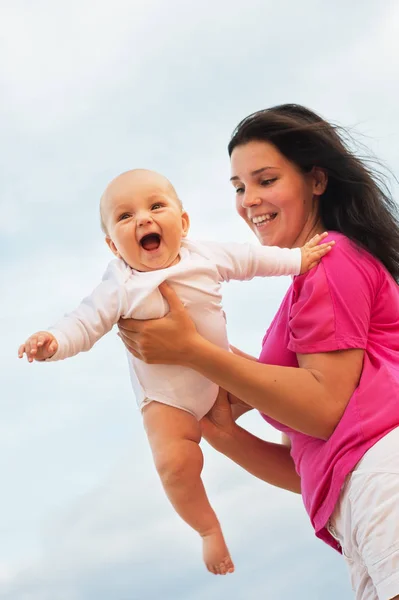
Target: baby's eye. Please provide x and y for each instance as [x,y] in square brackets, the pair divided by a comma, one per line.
[156,205]
[124,216]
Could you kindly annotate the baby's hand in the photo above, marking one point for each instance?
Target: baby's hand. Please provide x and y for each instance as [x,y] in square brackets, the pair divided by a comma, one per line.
[312,252]
[39,346]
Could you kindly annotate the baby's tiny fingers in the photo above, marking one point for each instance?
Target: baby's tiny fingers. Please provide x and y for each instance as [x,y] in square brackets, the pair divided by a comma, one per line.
[28,350]
[41,339]
[21,350]
[320,253]
[327,244]
[33,346]
[314,263]
[313,241]
[319,237]
[316,238]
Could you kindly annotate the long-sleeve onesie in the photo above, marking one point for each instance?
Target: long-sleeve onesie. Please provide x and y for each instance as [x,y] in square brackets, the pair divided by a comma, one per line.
[196,278]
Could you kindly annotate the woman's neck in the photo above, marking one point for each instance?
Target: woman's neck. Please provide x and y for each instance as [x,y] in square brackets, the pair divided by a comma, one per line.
[310,230]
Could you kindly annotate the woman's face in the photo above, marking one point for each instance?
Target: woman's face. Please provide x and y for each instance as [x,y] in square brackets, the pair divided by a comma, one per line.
[278,201]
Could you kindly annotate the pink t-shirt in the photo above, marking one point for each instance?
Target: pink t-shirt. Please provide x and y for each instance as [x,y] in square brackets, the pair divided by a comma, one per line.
[348,301]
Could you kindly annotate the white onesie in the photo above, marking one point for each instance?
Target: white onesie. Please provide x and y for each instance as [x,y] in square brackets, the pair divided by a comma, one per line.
[197,279]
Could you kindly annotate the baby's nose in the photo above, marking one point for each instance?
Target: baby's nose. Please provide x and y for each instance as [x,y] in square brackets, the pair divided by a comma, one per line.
[144,219]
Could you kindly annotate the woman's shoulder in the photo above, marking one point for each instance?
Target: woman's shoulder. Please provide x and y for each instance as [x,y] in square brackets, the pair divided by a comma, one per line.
[347,265]
[346,249]
[346,280]
[332,305]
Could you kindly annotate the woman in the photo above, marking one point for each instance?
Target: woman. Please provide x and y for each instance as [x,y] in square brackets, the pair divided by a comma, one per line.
[328,373]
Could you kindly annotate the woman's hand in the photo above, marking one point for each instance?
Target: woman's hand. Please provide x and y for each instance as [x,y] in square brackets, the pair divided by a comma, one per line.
[219,424]
[268,461]
[167,341]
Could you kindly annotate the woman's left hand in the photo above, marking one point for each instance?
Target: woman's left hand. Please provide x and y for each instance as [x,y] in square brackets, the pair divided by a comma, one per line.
[167,341]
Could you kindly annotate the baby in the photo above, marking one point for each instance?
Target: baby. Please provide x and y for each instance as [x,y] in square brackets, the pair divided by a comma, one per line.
[146,228]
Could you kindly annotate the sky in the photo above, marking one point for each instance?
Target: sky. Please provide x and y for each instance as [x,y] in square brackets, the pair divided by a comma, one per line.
[90,89]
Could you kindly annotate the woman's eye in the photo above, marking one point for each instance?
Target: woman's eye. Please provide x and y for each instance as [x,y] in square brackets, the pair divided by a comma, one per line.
[239,190]
[156,205]
[267,182]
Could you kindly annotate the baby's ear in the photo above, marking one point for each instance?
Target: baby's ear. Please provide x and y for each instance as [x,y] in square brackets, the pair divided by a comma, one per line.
[112,246]
[185,221]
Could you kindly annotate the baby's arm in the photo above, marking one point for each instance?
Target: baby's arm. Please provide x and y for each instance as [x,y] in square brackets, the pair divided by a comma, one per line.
[79,330]
[245,261]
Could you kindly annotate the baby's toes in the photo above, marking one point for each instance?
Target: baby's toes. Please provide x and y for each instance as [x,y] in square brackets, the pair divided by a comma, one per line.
[228,565]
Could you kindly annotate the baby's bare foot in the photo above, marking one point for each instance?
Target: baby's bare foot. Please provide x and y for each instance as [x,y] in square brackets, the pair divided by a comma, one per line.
[216,554]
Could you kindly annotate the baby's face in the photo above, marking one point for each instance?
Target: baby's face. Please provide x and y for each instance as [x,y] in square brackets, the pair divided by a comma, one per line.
[144,220]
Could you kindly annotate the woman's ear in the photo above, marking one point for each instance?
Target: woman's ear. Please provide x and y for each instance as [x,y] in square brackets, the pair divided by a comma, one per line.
[320,180]
[112,246]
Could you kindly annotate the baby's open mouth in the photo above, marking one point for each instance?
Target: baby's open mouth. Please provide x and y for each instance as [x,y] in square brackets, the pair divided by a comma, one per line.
[151,241]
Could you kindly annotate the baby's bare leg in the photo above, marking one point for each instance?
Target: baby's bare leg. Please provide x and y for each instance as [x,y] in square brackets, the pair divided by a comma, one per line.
[174,436]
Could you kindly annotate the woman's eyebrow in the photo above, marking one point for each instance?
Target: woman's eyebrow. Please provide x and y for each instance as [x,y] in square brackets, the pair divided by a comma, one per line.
[256,172]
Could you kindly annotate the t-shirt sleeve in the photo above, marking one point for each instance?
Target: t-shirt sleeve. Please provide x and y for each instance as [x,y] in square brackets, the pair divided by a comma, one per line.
[331,306]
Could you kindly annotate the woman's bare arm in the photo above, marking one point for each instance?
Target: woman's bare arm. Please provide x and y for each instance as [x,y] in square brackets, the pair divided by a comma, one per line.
[266,460]
[243,354]
[310,399]
[239,407]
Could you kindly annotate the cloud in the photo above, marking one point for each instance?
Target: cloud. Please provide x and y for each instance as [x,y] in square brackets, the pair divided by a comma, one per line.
[89,90]
[123,533]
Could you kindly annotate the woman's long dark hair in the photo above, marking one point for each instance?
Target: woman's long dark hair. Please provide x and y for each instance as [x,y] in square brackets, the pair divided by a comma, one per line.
[356,201]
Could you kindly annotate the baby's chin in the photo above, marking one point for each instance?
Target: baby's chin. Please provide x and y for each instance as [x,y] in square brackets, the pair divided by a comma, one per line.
[151,262]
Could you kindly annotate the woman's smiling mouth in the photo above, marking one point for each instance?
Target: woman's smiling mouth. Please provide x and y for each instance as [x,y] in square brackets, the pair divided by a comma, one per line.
[260,220]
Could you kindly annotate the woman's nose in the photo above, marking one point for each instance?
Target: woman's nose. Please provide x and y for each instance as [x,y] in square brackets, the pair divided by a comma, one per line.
[249,199]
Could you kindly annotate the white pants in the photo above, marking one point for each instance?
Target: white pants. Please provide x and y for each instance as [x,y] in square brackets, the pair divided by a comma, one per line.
[366,521]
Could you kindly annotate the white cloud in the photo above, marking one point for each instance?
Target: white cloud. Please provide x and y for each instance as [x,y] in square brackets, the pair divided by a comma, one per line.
[88,90]
[128,527]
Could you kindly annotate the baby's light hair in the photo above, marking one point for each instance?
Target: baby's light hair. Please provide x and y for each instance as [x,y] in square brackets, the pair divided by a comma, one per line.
[102,222]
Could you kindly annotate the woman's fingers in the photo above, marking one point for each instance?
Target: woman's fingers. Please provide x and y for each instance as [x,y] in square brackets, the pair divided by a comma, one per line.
[171,297]
[131,325]
[129,345]
[167,340]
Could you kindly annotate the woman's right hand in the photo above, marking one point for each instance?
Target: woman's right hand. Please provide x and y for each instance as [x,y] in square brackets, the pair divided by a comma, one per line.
[219,425]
